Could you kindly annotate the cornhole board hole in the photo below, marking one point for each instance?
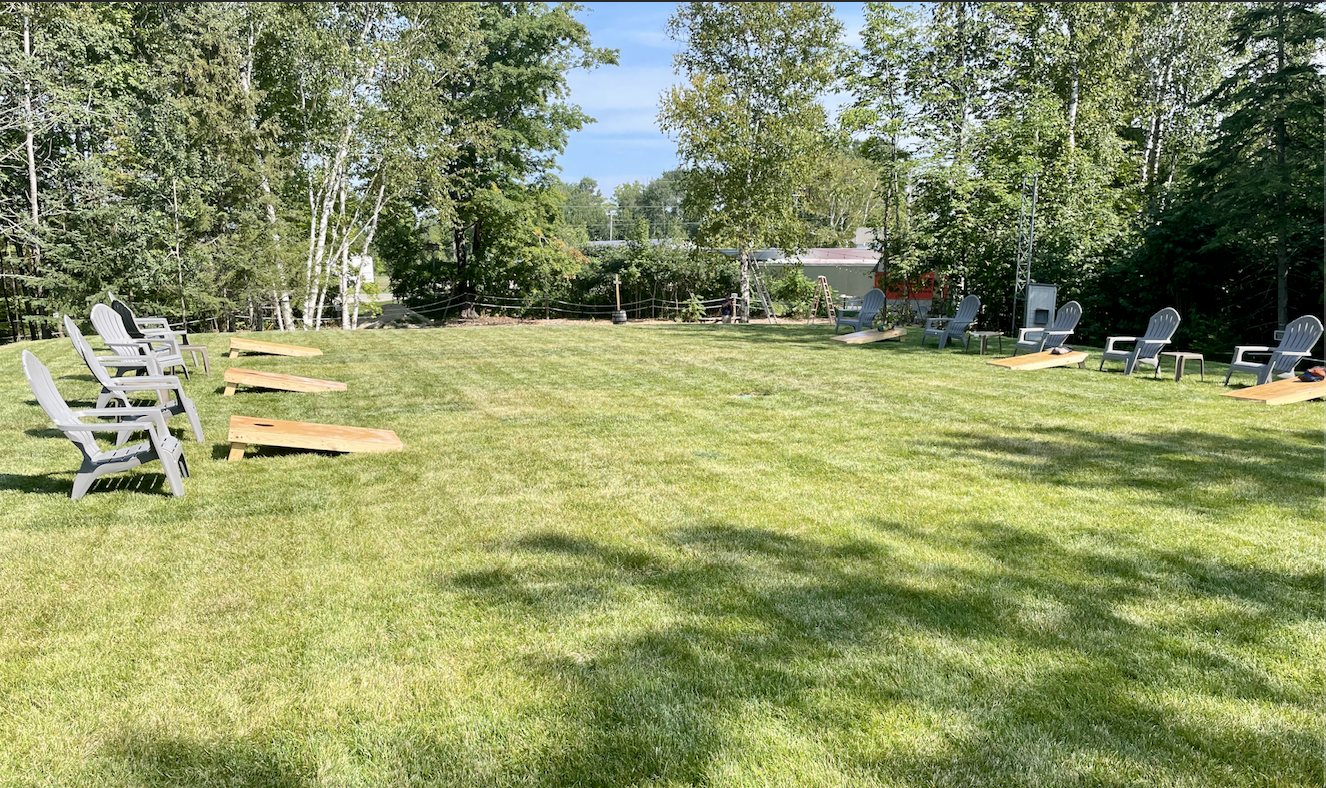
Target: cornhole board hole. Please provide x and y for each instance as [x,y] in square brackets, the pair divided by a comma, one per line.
[270,348]
[870,335]
[1043,360]
[1281,392]
[236,377]
[247,431]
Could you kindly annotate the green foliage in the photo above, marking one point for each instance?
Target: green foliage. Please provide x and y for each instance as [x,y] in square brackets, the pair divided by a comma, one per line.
[692,312]
[795,291]
[748,120]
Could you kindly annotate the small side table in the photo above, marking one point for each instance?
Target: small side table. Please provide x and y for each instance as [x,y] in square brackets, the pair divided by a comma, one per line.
[194,350]
[1179,360]
[985,336]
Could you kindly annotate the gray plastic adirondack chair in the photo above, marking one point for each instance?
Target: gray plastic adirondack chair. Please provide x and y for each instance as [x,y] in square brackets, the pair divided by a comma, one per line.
[118,389]
[953,327]
[161,445]
[1297,341]
[110,327]
[1034,340]
[865,316]
[1159,331]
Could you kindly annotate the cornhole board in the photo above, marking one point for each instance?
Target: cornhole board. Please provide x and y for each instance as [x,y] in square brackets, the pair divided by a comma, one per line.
[246,431]
[270,348]
[870,335]
[236,377]
[1281,392]
[1042,360]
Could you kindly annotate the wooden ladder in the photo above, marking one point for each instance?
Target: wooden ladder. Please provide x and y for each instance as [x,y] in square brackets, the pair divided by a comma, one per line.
[757,281]
[822,293]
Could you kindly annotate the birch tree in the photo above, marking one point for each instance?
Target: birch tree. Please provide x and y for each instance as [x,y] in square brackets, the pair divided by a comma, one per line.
[748,121]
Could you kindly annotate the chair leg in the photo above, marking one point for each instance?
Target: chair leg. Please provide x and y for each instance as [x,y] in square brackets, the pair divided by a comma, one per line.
[192,413]
[82,482]
[171,465]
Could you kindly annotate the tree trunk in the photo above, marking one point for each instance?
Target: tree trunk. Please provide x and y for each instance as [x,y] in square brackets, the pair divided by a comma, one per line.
[29,144]
[744,291]
[1282,222]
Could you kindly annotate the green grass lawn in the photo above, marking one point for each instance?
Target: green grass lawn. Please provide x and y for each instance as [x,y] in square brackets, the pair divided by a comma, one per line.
[663,556]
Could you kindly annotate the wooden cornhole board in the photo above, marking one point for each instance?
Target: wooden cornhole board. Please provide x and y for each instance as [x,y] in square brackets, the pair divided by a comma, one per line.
[1043,360]
[1281,392]
[246,430]
[870,335]
[270,348]
[236,377]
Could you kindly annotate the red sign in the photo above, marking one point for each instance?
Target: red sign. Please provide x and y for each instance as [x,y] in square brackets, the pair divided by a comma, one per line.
[920,286]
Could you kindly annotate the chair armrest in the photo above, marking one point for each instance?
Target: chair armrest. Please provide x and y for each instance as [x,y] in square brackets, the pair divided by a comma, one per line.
[932,323]
[1024,334]
[149,363]
[149,383]
[1239,350]
[151,322]
[150,342]
[1111,341]
[149,419]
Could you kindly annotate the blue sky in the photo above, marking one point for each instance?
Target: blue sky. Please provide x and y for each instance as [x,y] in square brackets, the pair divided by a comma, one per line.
[625,144]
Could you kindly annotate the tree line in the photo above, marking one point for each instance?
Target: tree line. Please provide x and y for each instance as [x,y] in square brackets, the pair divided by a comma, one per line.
[233,164]
[237,161]
[1176,147]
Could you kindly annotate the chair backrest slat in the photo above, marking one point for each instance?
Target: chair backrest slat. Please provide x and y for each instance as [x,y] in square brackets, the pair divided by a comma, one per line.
[48,397]
[1065,319]
[86,353]
[870,306]
[966,314]
[110,328]
[1159,331]
[1301,335]
[127,317]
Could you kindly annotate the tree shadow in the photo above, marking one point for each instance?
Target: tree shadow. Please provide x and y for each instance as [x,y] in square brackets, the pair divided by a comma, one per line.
[1177,468]
[55,483]
[157,761]
[1026,660]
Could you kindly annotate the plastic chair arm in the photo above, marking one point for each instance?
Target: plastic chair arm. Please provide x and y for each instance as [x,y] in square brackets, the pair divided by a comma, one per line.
[1024,334]
[149,383]
[151,322]
[1239,350]
[150,342]
[149,419]
[149,363]
[932,323]
[1110,342]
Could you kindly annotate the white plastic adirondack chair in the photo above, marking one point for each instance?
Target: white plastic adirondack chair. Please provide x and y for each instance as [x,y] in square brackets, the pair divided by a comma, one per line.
[865,316]
[1159,331]
[946,328]
[169,390]
[161,445]
[1297,341]
[1035,340]
[110,327]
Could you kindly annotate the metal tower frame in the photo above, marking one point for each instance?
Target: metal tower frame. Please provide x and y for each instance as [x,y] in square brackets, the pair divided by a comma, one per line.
[1026,243]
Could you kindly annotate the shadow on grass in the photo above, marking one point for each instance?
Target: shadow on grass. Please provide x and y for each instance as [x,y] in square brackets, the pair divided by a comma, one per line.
[156,761]
[221,451]
[54,483]
[62,483]
[1026,660]
[1178,468]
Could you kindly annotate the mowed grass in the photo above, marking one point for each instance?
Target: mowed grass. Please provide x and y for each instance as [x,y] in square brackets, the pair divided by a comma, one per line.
[666,556]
